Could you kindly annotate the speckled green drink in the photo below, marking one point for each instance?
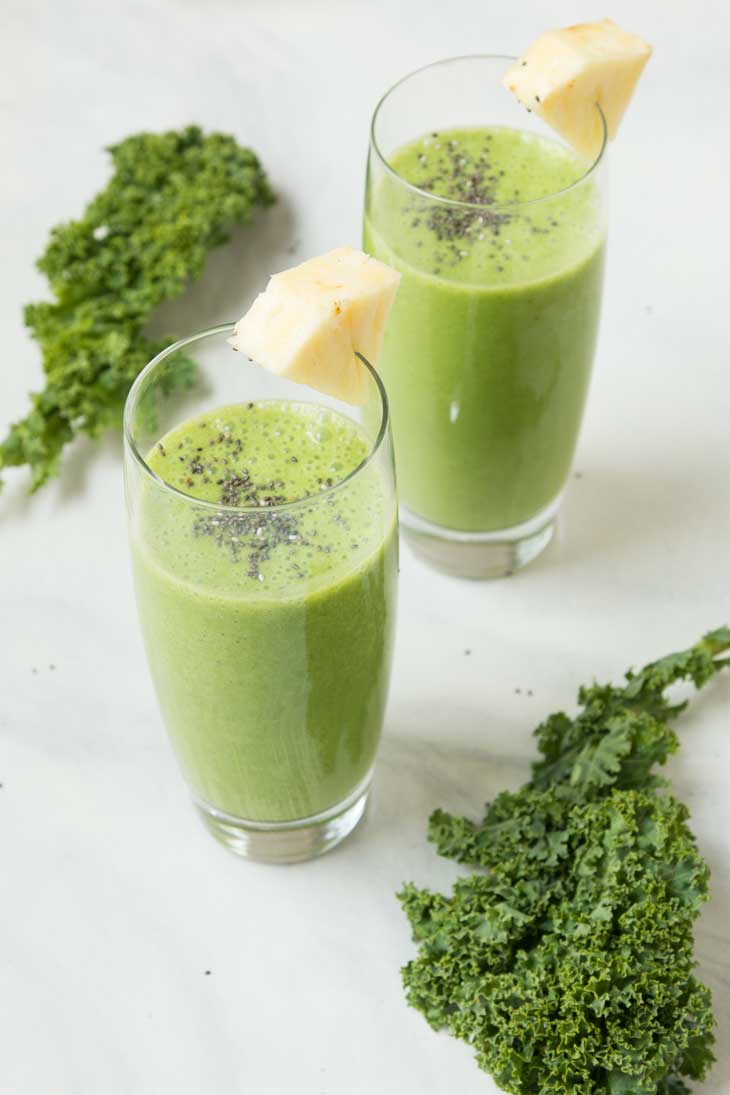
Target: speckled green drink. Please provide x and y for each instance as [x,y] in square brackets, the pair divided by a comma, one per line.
[499,237]
[264,546]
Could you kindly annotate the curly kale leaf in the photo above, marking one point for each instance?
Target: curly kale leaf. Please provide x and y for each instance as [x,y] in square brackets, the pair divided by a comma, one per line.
[621,733]
[566,961]
[171,198]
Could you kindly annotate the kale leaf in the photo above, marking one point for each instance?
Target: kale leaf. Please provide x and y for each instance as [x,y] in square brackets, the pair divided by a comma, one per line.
[172,197]
[566,961]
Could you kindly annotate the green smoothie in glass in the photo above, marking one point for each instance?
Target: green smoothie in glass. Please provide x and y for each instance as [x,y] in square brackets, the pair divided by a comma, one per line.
[264,551]
[499,236]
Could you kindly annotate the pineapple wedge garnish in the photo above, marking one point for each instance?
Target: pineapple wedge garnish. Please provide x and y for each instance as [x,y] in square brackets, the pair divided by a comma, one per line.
[566,72]
[312,319]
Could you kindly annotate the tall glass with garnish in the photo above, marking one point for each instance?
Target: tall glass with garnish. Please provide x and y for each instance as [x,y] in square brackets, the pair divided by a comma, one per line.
[498,230]
[263,529]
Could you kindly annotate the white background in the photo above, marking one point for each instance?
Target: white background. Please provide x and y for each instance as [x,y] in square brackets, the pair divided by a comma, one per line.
[114,901]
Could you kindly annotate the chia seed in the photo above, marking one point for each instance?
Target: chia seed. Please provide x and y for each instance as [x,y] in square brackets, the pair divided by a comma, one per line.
[471,181]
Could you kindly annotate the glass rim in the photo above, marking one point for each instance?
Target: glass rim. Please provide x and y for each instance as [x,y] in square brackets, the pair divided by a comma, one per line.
[454,202]
[227,329]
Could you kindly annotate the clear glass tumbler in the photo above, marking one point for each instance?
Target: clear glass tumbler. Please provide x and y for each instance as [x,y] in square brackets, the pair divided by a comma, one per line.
[264,553]
[498,230]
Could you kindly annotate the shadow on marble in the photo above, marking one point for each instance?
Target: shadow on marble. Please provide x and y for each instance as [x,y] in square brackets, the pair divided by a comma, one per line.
[16,501]
[77,462]
[611,513]
[233,275]
[415,775]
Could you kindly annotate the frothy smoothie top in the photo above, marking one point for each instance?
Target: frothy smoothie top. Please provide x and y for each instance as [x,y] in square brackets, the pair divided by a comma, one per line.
[493,238]
[259,454]
[256,457]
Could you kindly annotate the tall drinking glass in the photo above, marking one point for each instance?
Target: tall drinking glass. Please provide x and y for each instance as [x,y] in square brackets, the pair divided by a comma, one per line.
[498,230]
[263,529]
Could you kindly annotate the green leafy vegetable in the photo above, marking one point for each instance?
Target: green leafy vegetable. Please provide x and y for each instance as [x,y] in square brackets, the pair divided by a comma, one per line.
[566,961]
[172,197]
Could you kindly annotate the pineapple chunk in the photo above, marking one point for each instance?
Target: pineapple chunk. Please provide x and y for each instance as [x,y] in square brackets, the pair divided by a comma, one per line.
[312,318]
[566,72]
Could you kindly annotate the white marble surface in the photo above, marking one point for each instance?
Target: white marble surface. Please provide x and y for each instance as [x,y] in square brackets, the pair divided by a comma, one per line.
[114,901]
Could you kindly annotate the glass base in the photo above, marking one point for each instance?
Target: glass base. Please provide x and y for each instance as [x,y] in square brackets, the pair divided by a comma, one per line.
[479,554]
[287,841]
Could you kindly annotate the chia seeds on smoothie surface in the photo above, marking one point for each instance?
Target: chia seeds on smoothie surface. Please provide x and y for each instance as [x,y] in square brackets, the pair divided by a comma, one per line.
[255,535]
[220,470]
[450,171]
[465,167]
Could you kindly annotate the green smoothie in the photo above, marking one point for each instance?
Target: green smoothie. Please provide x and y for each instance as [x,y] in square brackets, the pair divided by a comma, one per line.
[488,353]
[269,622]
